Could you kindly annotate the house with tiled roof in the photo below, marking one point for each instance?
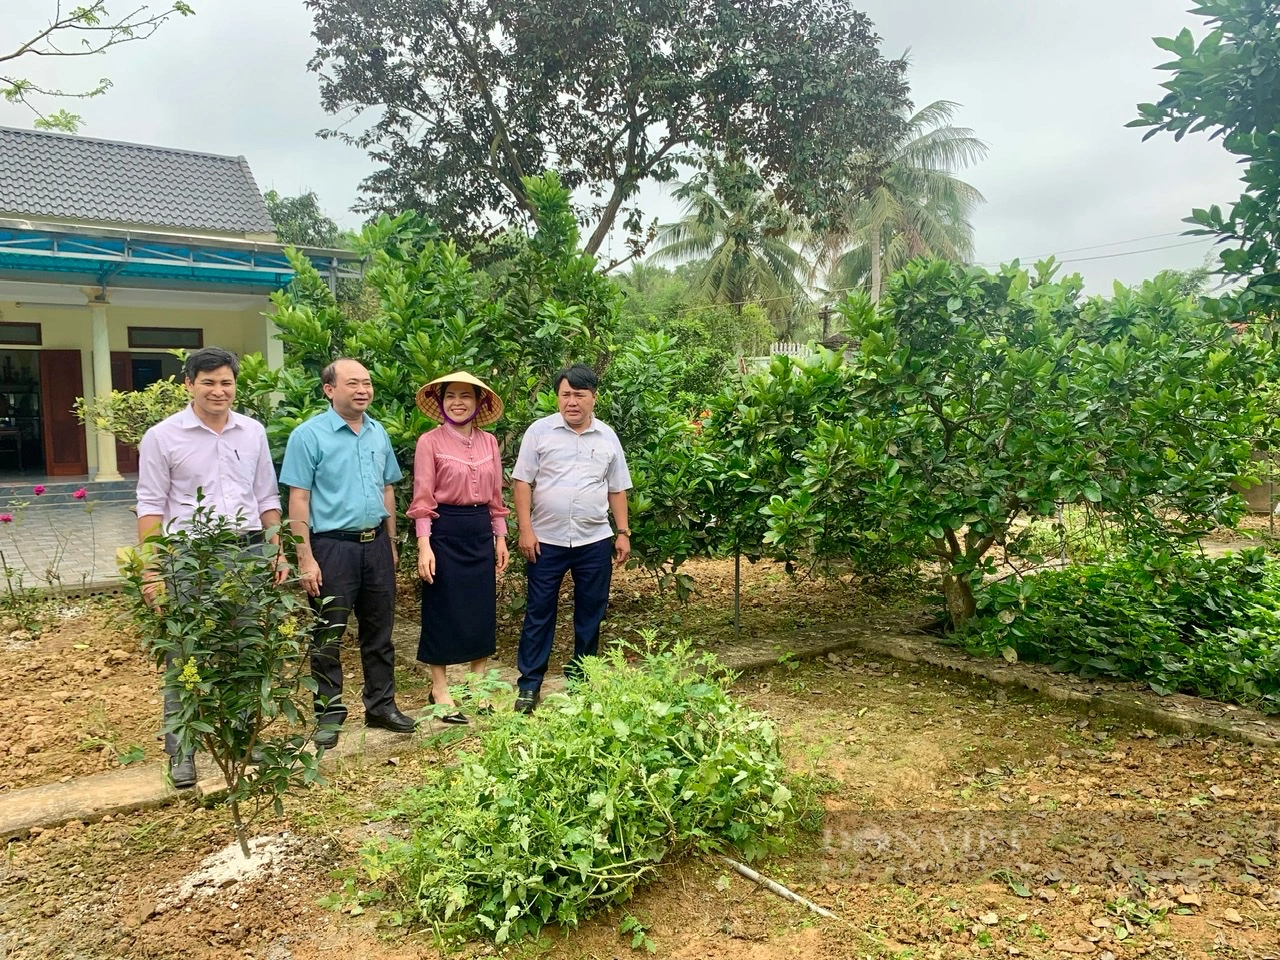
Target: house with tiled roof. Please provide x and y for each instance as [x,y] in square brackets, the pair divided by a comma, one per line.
[111,255]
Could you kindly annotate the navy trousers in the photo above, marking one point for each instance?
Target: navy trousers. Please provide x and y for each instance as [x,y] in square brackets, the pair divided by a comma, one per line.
[592,569]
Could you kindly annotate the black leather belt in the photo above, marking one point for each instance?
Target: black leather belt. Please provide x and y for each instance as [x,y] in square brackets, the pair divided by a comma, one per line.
[352,536]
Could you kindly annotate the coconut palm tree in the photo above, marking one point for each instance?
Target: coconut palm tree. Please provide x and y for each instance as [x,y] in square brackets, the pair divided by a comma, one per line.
[915,205]
[743,235]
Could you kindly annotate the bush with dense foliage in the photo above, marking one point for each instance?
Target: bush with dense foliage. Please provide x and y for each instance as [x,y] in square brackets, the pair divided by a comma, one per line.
[762,440]
[977,399]
[130,413]
[550,819]
[1178,622]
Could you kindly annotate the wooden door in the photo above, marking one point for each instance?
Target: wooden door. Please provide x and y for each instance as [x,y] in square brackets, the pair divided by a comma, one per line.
[61,382]
[122,379]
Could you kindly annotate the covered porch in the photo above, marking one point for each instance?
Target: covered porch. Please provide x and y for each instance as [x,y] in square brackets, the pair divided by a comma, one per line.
[83,312]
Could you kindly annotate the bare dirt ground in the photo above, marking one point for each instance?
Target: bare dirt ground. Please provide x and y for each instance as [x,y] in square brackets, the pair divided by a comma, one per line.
[959,821]
[81,697]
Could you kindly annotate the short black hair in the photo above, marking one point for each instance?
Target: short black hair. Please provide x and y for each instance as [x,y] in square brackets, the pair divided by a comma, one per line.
[210,358]
[580,377]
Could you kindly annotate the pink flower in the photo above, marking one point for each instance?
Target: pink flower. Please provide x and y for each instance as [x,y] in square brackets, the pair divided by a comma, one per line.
[38,489]
[81,493]
[6,518]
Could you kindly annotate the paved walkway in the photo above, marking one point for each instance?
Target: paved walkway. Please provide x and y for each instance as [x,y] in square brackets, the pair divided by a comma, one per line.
[76,543]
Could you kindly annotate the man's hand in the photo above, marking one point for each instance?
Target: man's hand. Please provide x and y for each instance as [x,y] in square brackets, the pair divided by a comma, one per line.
[151,589]
[503,555]
[309,573]
[621,549]
[426,561]
[282,568]
[530,548]
[395,554]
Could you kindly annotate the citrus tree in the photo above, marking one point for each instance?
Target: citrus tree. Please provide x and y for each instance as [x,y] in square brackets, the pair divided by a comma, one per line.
[538,304]
[975,399]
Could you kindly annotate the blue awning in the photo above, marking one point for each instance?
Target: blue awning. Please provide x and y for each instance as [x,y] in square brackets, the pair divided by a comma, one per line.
[125,259]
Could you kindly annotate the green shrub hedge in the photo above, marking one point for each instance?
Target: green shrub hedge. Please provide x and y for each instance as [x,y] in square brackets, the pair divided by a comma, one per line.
[1178,622]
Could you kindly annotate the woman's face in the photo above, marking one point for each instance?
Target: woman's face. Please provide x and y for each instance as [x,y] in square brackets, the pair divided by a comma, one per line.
[459,401]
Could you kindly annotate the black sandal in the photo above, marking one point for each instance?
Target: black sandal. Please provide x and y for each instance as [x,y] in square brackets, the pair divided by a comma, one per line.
[457,719]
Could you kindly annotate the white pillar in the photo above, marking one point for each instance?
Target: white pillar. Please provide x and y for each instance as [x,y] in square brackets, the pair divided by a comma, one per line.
[108,469]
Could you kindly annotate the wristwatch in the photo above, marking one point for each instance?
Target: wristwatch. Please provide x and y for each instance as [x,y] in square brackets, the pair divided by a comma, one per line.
[624,532]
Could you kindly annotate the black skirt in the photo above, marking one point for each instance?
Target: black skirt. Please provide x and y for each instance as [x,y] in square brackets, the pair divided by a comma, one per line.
[460,610]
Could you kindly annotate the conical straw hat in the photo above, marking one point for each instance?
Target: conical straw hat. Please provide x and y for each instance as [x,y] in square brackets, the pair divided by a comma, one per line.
[430,395]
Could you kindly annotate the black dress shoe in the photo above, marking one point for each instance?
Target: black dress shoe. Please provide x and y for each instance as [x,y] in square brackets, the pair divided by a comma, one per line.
[527,701]
[392,720]
[182,771]
[325,739]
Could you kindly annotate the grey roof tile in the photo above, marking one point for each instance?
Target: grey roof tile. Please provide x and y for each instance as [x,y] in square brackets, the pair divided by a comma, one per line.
[57,175]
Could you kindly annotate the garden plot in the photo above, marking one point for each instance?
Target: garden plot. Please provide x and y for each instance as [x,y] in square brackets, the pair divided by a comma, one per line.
[960,821]
[82,698]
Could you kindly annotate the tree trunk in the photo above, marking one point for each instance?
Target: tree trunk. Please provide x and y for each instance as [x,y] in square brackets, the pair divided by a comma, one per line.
[959,596]
[737,594]
[238,824]
[875,270]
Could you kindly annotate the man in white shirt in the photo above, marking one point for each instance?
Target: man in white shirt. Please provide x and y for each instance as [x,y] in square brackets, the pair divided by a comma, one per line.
[570,473]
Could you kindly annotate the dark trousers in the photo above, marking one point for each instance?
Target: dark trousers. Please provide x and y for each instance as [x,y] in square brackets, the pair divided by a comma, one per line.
[357,578]
[592,569]
[185,588]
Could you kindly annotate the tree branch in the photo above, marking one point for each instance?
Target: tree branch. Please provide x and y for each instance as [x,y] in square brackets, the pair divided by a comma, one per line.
[503,138]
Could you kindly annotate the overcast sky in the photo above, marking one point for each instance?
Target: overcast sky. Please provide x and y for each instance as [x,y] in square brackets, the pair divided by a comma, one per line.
[1049,85]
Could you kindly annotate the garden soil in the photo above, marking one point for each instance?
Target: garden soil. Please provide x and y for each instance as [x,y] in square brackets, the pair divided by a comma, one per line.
[957,820]
[81,697]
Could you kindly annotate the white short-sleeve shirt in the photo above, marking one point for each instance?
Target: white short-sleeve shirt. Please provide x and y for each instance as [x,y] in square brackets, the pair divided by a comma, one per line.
[572,475]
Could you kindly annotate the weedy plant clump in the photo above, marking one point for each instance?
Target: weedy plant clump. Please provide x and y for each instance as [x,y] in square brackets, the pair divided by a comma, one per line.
[1179,622]
[555,816]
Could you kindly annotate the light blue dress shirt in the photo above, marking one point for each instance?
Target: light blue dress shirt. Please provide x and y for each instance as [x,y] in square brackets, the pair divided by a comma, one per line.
[345,471]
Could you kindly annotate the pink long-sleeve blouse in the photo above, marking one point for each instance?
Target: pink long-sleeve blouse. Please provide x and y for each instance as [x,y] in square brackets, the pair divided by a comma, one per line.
[451,467]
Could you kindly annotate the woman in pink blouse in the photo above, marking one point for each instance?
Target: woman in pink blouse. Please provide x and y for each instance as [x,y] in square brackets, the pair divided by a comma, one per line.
[462,528]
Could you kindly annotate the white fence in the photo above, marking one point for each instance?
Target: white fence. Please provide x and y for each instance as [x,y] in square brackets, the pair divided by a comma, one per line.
[783,348]
[780,348]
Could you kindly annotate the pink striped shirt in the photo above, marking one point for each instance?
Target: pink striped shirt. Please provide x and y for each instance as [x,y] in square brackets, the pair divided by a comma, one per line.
[451,467]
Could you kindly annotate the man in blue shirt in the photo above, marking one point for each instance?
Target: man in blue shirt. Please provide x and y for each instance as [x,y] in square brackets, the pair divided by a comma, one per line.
[339,467]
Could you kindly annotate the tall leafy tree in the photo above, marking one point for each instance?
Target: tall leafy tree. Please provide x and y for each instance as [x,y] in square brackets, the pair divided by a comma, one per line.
[1229,85]
[735,225]
[300,221]
[473,96]
[73,31]
[914,206]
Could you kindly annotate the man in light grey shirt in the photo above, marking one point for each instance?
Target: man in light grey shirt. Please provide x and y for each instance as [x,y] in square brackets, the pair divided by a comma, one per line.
[570,473]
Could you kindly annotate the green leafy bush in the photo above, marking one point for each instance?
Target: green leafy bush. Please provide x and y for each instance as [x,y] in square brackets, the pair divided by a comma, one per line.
[670,469]
[1178,622]
[555,817]
[975,401]
[234,648]
[130,413]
